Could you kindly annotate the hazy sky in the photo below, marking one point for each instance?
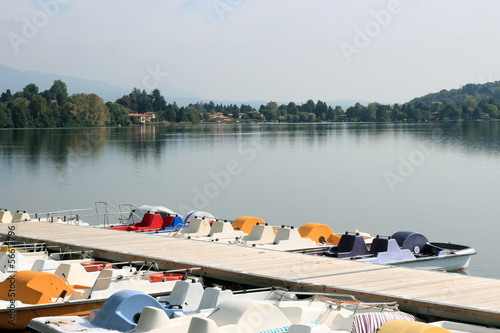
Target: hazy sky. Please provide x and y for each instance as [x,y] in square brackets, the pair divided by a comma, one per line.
[282,50]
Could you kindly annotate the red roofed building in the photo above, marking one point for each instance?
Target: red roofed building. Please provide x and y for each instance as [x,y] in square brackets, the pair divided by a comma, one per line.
[141,118]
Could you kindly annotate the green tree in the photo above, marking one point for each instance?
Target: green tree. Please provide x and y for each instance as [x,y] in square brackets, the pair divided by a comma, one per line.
[68,115]
[157,101]
[29,91]
[19,112]
[292,109]
[5,118]
[91,110]
[492,110]
[330,114]
[6,96]
[118,114]
[320,110]
[60,91]
[193,115]
[381,113]
[39,111]
[269,115]
[355,113]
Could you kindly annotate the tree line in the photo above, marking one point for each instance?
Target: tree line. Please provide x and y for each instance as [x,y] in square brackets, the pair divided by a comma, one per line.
[30,108]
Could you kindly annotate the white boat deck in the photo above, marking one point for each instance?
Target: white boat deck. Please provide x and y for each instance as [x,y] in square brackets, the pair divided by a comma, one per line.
[450,296]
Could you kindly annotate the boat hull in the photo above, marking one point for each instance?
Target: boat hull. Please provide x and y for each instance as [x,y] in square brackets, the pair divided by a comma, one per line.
[21,317]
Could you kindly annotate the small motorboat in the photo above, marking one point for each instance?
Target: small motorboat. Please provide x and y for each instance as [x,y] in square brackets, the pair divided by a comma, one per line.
[408,249]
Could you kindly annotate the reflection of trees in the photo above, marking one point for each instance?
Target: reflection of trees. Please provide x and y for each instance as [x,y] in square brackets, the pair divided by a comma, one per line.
[53,146]
[63,148]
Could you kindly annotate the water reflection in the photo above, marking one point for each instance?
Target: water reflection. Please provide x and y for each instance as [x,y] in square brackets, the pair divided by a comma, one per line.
[63,147]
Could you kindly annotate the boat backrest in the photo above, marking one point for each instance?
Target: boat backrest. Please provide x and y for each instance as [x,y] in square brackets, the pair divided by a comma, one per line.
[197,227]
[213,297]
[74,274]
[168,221]
[151,319]
[379,245]
[13,261]
[224,229]
[5,216]
[202,325]
[351,245]
[287,233]
[260,234]
[103,280]
[342,322]
[21,216]
[145,222]
[43,265]
[186,294]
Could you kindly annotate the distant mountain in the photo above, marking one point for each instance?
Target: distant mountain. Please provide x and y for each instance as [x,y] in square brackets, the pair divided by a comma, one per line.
[480,91]
[16,80]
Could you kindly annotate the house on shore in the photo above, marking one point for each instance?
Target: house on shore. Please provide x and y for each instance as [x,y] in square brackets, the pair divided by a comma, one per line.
[141,118]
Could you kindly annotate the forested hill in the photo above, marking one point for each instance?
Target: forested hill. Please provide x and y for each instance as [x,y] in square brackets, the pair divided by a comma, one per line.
[479,91]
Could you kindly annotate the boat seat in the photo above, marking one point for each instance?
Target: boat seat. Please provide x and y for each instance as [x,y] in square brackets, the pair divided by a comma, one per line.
[197,227]
[213,297]
[172,221]
[260,234]
[290,238]
[168,221]
[5,216]
[152,319]
[379,245]
[224,230]
[186,294]
[21,216]
[75,275]
[19,262]
[349,246]
[44,265]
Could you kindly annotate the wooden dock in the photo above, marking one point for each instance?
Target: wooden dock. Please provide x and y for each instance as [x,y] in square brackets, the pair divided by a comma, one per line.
[450,296]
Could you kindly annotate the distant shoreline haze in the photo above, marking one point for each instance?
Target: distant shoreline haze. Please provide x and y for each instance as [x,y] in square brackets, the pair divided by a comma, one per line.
[54,107]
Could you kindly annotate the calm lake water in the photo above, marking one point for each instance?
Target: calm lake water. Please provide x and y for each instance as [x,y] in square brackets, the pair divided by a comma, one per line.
[439,179]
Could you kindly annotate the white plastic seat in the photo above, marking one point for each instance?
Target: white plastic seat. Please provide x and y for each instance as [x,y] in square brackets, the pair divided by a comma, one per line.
[74,274]
[224,230]
[5,216]
[185,293]
[197,227]
[260,234]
